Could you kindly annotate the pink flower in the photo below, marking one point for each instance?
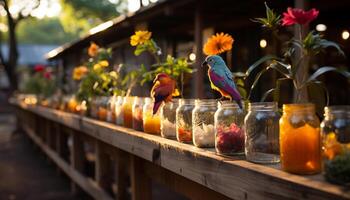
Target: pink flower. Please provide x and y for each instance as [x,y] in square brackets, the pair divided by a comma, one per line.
[298,16]
[47,75]
[39,68]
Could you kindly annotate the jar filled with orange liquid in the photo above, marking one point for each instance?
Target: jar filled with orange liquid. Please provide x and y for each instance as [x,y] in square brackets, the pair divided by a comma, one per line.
[127,111]
[102,108]
[335,129]
[118,107]
[300,139]
[151,122]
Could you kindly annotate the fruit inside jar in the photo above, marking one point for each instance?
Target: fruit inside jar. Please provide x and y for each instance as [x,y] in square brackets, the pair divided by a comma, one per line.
[229,140]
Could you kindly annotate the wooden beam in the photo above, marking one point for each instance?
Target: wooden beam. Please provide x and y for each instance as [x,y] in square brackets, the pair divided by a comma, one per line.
[141,184]
[88,185]
[198,40]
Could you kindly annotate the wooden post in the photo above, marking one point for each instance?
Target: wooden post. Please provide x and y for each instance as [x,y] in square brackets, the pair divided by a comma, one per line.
[141,185]
[122,159]
[77,157]
[103,168]
[198,39]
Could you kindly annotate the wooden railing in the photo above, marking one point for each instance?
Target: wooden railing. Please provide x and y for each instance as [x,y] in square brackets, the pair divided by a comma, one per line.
[143,158]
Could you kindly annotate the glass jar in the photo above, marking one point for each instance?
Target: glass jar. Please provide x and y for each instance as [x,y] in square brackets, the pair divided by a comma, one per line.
[119,116]
[184,120]
[168,119]
[94,108]
[111,109]
[262,133]
[300,139]
[102,108]
[203,123]
[229,129]
[151,122]
[137,122]
[127,111]
[335,129]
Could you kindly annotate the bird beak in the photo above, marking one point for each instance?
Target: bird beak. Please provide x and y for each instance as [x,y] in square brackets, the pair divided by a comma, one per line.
[205,63]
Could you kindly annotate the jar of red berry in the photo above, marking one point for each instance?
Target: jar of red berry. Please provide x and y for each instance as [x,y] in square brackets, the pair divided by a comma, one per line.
[229,131]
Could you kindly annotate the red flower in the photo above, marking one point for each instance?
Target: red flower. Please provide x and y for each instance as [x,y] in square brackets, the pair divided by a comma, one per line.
[39,68]
[47,75]
[298,16]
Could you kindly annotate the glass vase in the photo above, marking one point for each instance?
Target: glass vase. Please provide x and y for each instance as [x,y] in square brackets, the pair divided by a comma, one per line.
[127,111]
[184,120]
[168,119]
[229,129]
[203,123]
[300,139]
[262,133]
[335,129]
[119,116]
[151,122]
[137,118]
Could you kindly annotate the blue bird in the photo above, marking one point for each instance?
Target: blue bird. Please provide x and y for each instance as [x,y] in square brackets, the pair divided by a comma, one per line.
[221,79]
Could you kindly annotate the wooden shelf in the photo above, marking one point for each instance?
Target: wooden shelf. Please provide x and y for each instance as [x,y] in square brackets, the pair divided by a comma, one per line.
[233,177]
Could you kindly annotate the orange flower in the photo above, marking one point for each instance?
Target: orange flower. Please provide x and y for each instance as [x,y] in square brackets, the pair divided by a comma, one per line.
[79,72]
[93,49]
[218,44]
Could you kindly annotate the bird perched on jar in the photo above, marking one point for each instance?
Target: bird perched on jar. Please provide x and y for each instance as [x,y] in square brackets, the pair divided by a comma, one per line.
[163,90]
[221,80]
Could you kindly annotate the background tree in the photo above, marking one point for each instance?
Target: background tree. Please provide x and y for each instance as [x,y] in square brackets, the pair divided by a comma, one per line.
[79,16]
[12,19]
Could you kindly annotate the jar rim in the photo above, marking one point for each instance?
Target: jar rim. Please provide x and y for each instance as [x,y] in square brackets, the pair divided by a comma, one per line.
[187,101]
[296,107]
[227,104]
[209,102]
[263,106]
[337,109]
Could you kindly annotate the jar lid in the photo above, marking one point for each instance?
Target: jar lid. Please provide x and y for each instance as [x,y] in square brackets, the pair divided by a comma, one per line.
[263,106]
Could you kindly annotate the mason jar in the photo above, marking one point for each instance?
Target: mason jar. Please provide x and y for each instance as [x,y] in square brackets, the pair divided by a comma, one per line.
[94,108]
[335,129]
[119,117]
[229,129]
[184,120]
[300,139]
[151,122]
[102,108]
[262,133]
[111,109]
[127,111]
[168,119]
[137,118]
[203,123]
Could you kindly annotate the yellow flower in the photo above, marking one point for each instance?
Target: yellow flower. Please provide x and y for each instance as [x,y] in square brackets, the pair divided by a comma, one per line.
[218,44]
[140,37]
[79,72]
[97,67]
[103,63]
[93,49]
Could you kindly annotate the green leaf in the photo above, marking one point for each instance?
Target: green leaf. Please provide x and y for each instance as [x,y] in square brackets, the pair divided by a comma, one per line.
[326,69]
[259,62]
[266,94]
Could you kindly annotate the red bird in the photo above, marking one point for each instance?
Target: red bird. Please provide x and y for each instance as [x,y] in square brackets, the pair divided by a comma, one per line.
[163,90]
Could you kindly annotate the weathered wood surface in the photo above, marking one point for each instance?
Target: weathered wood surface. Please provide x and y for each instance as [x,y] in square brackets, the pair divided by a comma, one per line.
[230,176]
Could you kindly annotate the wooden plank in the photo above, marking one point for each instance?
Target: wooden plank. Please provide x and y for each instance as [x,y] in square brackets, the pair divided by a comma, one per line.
[231,176]
[77,156]
[141,184]
[122,175]
[103,168]
[88,185]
